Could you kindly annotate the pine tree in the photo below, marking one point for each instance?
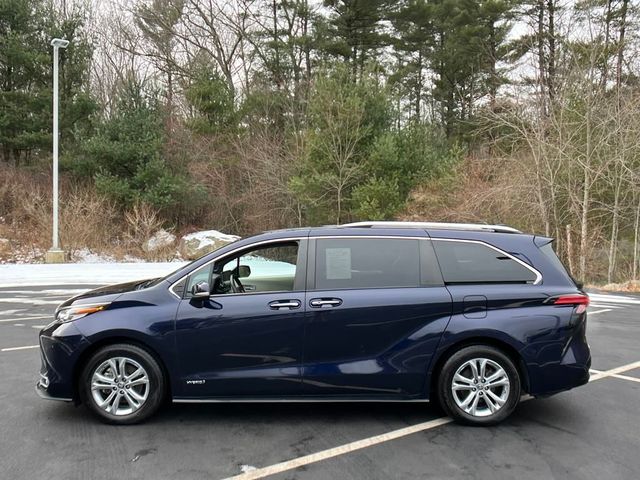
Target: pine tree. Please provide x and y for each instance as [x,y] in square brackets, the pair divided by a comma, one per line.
[26,28]
[354,31]
[413,43]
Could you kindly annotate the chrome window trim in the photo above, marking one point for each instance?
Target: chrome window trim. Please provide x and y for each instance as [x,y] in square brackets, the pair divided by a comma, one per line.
[287,239]
[538,275]
[537,281]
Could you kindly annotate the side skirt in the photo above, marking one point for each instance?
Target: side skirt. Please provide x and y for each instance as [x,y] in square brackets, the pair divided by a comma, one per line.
[298,400]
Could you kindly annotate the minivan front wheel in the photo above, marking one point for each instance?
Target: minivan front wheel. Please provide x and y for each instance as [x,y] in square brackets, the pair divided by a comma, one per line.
[479,385]
[122,384]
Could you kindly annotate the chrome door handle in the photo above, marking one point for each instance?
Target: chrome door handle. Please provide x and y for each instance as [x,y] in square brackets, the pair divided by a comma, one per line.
[325,302]
[279,304]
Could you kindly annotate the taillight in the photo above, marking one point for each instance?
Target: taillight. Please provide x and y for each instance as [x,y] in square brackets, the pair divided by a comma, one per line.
[580,300]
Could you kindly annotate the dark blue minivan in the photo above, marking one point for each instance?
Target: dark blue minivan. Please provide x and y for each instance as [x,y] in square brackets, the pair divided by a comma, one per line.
[472,316]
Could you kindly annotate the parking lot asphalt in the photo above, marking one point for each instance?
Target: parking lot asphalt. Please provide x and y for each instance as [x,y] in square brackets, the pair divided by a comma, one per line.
[590,432]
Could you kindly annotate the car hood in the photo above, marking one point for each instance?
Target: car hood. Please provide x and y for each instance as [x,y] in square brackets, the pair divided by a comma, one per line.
[103,294]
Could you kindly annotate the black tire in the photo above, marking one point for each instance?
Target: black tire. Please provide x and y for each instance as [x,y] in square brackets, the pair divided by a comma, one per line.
[445,383]
[156,383]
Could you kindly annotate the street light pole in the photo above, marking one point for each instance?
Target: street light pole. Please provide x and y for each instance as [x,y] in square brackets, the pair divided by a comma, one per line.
[55,254]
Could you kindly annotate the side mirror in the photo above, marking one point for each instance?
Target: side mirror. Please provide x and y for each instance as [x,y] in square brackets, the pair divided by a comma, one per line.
[200,290]
[244,271]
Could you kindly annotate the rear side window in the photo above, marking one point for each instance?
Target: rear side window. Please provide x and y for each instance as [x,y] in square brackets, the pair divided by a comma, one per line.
[470,262]
[374,263]
[551,255]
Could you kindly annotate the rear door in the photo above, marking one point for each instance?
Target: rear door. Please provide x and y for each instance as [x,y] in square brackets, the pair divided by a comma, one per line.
[376,309]
[483,278]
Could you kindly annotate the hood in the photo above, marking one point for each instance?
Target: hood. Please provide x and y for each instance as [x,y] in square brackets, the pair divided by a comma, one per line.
[105,294]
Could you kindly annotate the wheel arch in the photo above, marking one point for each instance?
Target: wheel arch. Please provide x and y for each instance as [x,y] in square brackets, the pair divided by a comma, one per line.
[501,345]
[113,340]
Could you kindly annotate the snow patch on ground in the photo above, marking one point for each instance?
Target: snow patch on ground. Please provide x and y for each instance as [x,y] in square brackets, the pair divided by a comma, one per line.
[87,256]
[15,275]
[24,255]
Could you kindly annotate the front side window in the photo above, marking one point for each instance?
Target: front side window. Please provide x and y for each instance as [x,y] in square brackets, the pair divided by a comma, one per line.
[372,263]
[472,262]
[269,268]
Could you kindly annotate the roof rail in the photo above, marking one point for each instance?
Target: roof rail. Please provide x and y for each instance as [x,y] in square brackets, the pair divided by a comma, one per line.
[435,225]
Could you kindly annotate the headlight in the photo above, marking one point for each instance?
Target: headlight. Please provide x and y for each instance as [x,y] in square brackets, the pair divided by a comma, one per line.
[68,314]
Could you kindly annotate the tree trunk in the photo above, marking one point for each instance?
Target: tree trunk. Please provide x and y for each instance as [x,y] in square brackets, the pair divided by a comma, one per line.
[493,82]
[542,73]
[569,250]
[419,85]
[584,226]
[607,37]
[636,242]
[551,65]
[613,241]
[623,28]
[307,48]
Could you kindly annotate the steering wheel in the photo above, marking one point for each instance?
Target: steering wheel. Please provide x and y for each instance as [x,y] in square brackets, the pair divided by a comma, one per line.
[236,284]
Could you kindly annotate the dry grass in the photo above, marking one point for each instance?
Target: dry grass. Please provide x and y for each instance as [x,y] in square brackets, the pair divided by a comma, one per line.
[632,286]
[87,220]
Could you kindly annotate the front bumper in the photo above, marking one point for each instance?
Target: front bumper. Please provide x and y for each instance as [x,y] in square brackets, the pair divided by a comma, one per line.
[60,347]
[42,392]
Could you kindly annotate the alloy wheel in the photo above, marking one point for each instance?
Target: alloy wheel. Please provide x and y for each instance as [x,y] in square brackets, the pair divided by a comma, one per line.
[120,386]
[480,387]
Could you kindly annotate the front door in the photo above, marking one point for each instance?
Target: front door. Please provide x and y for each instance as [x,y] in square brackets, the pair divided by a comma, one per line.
[376,310]
[246,337]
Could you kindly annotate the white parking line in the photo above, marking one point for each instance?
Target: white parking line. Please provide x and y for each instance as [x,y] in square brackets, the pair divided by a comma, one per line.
[341,450]
[377,439]
[22,319]
[604,298]
[13,349]
[11,312]
[617,375]
[614,371]
[626,377]
[30,301]
[50,292]
[599,311]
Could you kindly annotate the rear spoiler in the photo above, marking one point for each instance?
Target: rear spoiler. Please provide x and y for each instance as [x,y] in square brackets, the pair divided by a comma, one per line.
[542,241]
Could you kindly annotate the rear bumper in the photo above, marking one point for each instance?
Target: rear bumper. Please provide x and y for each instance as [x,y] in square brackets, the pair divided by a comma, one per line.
[561,379]
[571,371]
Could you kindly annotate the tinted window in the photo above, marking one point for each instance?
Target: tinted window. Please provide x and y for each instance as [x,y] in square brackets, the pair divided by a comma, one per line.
[270,268]
[464,262]
[373,263]
[266,269]
[551,255]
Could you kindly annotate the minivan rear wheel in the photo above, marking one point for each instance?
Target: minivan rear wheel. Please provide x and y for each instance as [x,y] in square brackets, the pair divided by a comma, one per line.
[122,384]
[479,385]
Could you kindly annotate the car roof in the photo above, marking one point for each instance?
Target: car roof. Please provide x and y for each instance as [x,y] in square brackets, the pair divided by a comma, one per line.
[385,226]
